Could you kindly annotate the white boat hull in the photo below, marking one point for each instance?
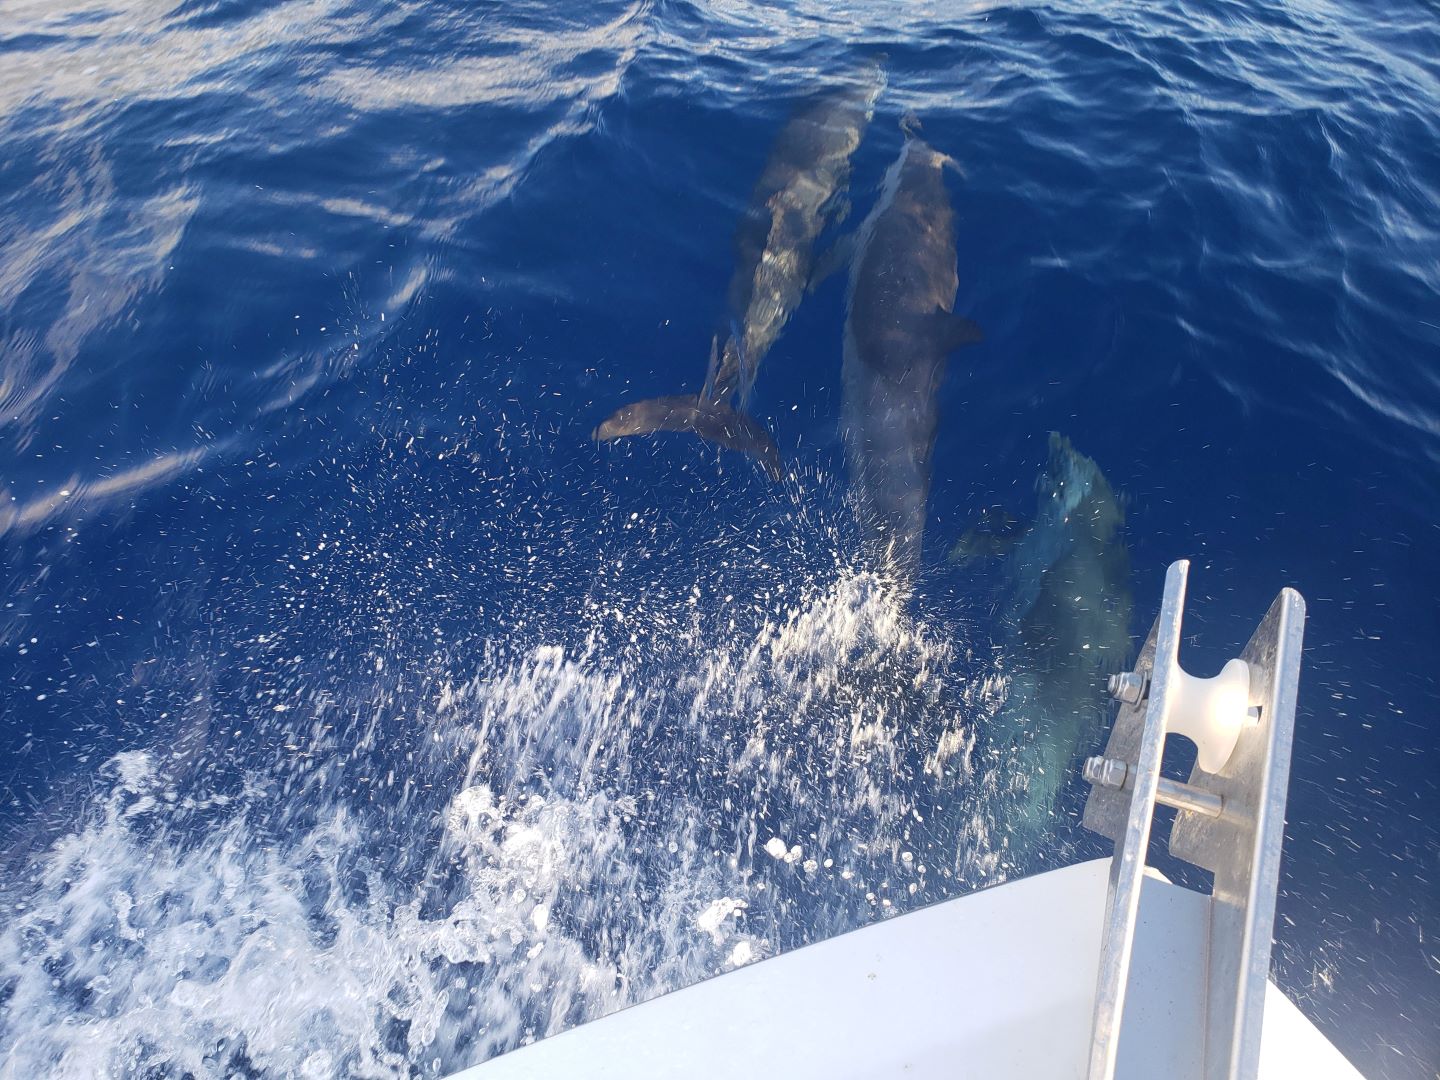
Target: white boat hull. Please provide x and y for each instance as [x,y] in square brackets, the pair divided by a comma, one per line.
[996,985]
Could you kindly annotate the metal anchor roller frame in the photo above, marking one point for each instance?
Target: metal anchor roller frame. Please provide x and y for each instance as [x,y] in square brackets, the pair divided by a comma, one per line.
[1230,817]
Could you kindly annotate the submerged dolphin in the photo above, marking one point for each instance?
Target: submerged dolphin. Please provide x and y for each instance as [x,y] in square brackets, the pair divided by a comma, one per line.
[1066,612]
[899,329]
[799,194]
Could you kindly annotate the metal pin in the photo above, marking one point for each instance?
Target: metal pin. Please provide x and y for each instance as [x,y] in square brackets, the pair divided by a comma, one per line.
[1184,797]
[1108,772]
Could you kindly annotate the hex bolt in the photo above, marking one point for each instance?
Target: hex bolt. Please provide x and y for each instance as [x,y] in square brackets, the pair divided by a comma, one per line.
[1128,687]
[1106,772]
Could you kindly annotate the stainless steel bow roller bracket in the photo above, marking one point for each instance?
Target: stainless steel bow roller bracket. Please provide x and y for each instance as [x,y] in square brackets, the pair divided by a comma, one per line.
[1229,820]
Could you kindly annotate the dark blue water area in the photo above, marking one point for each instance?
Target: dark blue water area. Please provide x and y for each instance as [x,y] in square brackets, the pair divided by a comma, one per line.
[308,312]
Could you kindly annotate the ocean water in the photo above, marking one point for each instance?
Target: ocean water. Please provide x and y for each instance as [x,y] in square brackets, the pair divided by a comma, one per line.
[363,718]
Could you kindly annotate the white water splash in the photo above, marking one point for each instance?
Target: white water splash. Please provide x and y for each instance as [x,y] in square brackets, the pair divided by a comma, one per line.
[594,840]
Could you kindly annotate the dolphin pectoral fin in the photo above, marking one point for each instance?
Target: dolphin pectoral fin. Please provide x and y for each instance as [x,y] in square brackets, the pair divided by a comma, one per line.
[834,258]
[952,331]
[972,547]
[711,420]
[996,534]
[965,332]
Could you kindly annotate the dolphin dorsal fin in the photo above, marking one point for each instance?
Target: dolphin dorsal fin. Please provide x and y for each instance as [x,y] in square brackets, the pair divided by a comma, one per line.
[952,331]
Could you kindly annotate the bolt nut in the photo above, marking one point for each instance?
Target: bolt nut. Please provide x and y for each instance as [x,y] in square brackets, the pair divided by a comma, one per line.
[1128,686]
[1106,772]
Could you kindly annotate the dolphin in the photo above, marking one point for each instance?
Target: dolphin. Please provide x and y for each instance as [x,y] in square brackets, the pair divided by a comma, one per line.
[800,193]
[900,327]
[1065,612]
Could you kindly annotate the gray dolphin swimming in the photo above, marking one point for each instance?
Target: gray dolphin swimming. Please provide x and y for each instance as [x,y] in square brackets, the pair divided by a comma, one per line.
[800,193]
[1065,609]
[900,328]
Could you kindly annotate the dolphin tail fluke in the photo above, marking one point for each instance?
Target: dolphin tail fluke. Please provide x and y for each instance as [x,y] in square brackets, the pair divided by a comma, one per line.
[713,421]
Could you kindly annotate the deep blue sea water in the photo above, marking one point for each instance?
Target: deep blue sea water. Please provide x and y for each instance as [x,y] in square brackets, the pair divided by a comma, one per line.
[363,717]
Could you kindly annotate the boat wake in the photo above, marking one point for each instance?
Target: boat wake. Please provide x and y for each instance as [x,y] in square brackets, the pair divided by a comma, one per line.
[503,849]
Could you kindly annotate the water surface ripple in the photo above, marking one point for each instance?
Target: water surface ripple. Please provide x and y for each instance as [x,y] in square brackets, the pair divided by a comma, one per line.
[363,718]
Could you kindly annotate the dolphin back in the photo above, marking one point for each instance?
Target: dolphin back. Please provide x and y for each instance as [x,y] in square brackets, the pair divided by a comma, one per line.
[713,421]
